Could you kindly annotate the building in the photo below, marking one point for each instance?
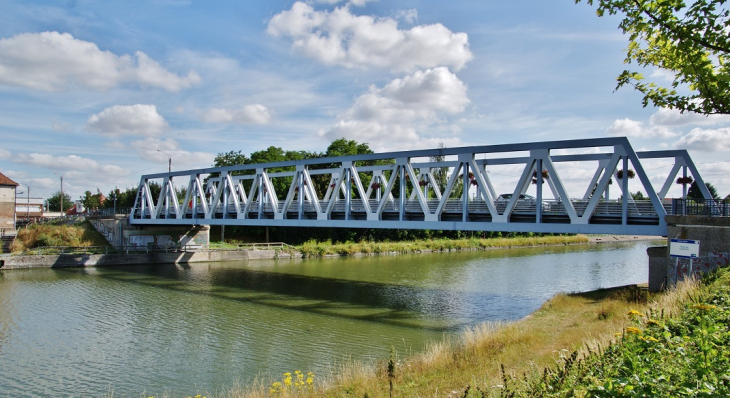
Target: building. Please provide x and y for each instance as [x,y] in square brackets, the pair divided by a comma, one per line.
[7,203]
[27,208]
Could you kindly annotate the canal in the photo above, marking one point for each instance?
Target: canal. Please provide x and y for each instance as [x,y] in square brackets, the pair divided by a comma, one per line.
[186,329]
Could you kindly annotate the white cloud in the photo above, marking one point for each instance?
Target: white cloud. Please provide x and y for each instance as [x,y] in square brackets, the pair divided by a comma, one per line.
[671,117]
[159,151]
[71,162]
[249,114]
[5,154]
[632,128]
[394,113]
[409,16]
[716,140]
[128,120]
[52,61]
[342,38]
[663,74]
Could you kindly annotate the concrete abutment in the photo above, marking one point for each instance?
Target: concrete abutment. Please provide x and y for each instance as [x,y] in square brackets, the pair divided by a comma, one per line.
[714,236]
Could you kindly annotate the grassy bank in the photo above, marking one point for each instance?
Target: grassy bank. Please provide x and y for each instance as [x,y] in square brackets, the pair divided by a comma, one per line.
[318,249]
[611,342]
[77,234]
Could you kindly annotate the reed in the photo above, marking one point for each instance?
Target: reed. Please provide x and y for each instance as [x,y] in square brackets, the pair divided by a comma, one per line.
[313,248]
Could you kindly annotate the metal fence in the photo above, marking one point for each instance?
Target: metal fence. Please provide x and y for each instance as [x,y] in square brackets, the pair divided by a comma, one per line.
[111,212]
[700,207]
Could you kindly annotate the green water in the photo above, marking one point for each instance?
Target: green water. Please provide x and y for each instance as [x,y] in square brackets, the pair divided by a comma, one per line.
[182,330]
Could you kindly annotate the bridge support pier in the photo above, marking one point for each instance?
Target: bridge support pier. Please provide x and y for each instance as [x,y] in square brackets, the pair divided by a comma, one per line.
[714,236]
[121,235]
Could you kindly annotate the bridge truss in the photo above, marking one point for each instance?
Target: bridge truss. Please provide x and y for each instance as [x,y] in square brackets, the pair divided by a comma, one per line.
[403,190]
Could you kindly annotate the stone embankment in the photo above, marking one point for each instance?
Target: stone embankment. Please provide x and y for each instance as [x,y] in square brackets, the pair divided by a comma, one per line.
[98,260]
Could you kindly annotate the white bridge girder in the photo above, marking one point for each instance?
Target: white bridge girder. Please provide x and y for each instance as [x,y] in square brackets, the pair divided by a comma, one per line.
[396,196]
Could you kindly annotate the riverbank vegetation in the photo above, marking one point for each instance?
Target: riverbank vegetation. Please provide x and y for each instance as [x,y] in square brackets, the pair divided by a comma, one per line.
[61,233]
[613,342]
[313,248]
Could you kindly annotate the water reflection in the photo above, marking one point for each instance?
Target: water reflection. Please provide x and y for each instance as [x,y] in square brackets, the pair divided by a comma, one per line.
[184,329]
[415,306]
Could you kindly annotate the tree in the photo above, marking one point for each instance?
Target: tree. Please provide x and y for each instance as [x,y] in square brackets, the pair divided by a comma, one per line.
[690,41]
[54,202]
[638,196]
[695,193]
[231,158]
[441,174]
[92,202]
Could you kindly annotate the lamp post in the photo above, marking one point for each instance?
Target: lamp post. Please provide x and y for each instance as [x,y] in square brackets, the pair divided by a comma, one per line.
[169,160]
[61,191]
[27,209]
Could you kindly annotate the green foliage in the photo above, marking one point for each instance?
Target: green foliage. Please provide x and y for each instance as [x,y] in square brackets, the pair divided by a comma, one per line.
[689,40]
[54,202]
[655,357]
[92,201]
[638,196]
[313,248]
[294,386]
[124,198]
[695,193]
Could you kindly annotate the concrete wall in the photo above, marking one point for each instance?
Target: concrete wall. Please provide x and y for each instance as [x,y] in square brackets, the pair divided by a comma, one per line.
[714,236]
[93,260]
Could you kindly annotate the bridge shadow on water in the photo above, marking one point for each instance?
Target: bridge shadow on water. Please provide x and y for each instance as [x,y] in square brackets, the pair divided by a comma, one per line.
[425,308]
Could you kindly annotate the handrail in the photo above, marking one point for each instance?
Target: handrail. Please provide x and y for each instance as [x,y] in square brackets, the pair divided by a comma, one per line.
[251,246]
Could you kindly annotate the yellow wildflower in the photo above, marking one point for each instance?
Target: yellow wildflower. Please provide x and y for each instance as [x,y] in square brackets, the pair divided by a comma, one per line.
[633,330]
[704,307]
[653,322]
[634,313]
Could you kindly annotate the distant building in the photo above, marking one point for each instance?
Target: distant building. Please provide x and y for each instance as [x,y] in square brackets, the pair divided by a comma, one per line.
[7,202]
[76,209]
[30,209]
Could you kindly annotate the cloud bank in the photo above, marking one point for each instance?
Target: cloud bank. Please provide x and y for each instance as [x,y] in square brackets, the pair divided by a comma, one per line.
[393,113]
[360,41]
[53,61]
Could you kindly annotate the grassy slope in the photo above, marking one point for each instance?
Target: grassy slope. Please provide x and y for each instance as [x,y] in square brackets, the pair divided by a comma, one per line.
[564,324]
[77,234]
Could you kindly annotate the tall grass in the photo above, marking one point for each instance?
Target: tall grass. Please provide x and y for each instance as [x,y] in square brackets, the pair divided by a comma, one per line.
[81,234]
[313,248]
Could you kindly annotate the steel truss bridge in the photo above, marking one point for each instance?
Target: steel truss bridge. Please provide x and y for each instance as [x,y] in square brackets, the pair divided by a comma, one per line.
[400,190]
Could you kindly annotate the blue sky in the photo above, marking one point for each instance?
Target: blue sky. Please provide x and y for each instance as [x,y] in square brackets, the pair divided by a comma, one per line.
[102,92]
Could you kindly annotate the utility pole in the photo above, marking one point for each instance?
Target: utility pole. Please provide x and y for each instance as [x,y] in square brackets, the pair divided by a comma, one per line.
[61,192]
[27,209]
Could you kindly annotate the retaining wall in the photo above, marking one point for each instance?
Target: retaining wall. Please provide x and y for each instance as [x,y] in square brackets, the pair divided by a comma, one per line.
[95,260]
